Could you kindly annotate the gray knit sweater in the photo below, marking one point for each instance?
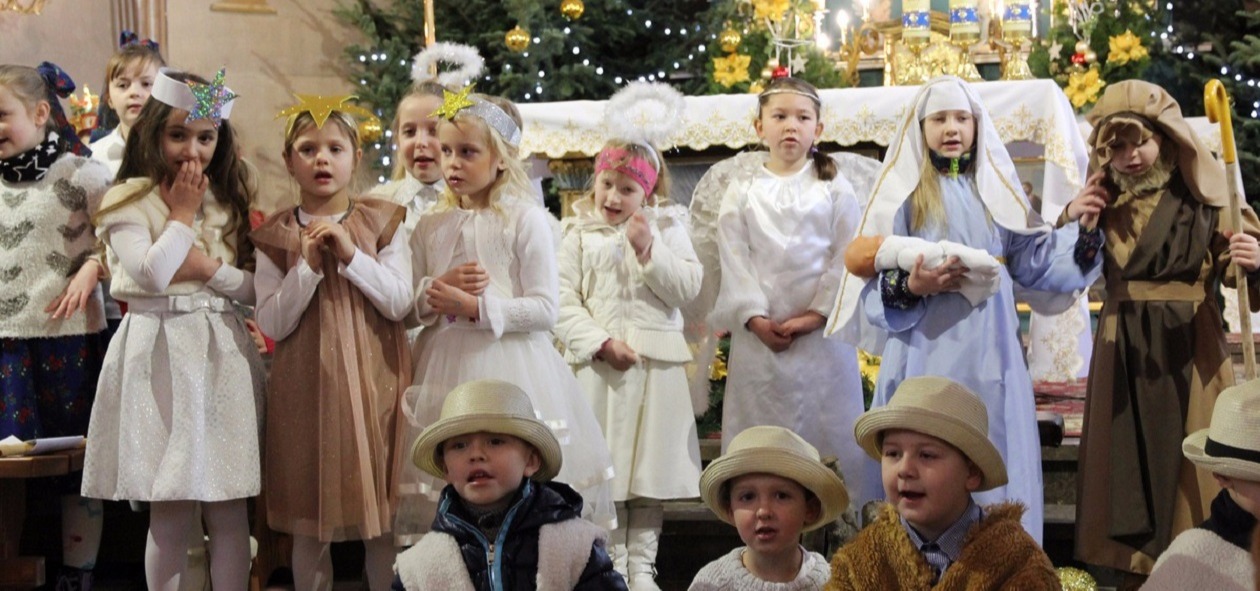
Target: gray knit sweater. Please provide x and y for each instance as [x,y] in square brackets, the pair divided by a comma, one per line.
[728,572]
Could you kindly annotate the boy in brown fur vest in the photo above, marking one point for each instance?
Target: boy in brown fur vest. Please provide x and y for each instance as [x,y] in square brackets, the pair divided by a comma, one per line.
[934,452]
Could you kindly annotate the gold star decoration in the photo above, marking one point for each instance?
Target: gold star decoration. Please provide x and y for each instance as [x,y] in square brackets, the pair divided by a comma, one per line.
[318,105]
[321,107]
[454,102]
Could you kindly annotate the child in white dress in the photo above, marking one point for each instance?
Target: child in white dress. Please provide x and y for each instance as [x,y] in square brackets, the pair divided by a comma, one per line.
[484,265]
[178,405]
[782,232]
[626,267]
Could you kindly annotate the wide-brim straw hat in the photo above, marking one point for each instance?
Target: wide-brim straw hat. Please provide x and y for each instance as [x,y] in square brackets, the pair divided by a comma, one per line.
[943,409]
[777,451]
[1230,446]
[487,406]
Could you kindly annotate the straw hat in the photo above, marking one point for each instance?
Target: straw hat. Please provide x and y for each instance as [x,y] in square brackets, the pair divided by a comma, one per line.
[1230,446]
[943,409]
[777,451]
[487,406]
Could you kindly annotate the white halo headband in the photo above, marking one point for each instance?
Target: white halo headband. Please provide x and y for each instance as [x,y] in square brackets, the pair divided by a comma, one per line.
[211,101]
[424,65]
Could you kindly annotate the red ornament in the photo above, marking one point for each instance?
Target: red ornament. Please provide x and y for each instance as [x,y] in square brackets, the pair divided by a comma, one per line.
[1078,59]
[780,72]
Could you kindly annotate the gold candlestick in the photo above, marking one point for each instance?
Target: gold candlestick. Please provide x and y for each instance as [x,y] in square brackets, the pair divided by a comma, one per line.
[964,31]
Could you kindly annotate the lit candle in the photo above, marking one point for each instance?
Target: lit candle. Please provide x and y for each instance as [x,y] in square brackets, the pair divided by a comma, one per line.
[843,20]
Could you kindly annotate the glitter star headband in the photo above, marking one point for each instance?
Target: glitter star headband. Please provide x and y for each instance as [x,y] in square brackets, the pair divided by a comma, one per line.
[211,101]
[320,107]
[498,119]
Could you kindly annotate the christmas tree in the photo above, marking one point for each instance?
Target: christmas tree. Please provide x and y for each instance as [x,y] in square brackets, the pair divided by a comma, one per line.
[582,55]
[1215,39]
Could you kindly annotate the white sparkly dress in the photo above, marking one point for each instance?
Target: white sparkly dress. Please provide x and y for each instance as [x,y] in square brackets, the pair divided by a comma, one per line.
[179,400]
[514,242]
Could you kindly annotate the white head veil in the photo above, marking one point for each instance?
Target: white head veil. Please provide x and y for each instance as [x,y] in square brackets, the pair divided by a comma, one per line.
[997,183]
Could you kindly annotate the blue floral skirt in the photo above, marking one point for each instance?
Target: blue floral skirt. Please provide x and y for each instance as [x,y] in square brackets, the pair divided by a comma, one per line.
[47,385]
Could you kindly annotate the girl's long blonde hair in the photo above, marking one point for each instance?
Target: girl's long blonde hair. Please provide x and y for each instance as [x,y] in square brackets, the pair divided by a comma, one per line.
[513,180]
[926,206]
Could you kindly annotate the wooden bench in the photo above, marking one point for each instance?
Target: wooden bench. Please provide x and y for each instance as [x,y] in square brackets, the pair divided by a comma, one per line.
[25,572]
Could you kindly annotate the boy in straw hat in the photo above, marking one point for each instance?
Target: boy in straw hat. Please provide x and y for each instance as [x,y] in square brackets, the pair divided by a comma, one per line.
[934,452]
[1215,554]
[502,523]
[771,485]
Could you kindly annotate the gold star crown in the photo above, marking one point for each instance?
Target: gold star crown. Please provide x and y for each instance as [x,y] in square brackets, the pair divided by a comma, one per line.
[321,107]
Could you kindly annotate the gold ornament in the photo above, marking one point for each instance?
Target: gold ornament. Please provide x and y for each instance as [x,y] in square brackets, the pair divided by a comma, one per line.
[370,130]
[767,72]
[1082,46]
[517,39]
[729,40]
[572,9]
[1091,57]
[1075,579]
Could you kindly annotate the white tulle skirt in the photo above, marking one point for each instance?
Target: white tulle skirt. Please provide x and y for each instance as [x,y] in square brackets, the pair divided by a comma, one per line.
[451,354]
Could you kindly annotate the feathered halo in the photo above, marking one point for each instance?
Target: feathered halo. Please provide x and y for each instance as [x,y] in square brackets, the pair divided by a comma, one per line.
[644,112]
[424,67]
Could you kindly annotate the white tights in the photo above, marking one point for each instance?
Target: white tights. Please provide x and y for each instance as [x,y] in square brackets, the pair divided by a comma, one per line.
[312,563]
[166,554]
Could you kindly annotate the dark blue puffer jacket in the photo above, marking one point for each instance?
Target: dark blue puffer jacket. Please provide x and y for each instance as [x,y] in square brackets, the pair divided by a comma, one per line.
[510,562]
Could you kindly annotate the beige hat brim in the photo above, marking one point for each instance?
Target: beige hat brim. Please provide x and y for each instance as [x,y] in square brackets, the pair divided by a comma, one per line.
[424,452]
[973,444]
[811,474]
[1194,449]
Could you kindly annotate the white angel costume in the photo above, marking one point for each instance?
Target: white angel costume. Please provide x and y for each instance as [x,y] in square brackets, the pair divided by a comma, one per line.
[511,341]
[781,243]
[977,345]
[605,292]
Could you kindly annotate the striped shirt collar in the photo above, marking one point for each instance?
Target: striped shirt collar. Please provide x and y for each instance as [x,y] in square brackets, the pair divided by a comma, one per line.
[951,540]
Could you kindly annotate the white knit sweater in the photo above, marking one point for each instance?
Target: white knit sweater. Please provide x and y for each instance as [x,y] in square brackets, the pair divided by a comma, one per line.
[45,236]
[728,573]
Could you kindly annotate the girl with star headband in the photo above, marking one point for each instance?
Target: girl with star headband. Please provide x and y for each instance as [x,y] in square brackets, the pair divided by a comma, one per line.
[334,283]
[179,401]
[484,267]
[626,266]
[947,177]
[416,182]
